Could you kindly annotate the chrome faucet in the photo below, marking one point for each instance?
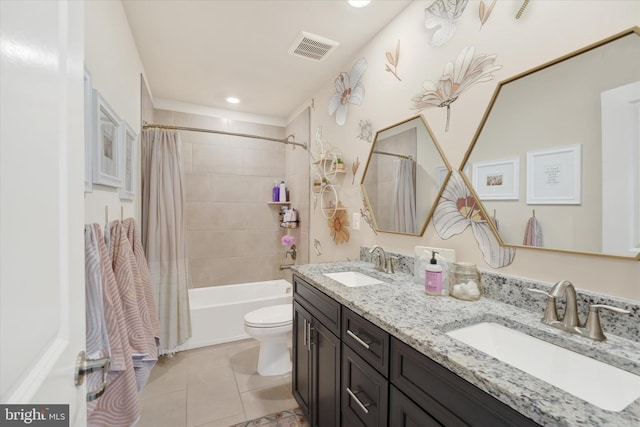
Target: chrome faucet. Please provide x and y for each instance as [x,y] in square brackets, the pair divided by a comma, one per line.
[570,322]
[384,262]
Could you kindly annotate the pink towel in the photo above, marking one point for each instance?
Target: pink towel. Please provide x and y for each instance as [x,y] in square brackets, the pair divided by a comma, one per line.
[146,305]
[119,405]
[142,342]
[533,233]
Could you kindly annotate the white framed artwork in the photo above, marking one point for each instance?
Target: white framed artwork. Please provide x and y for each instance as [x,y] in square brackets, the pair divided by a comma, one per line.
[108,144]
[497,179]
[128,190]
[88,128]
[554,176]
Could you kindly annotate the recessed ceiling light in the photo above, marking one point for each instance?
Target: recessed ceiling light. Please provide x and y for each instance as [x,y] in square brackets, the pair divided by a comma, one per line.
[233,100]
[359,3]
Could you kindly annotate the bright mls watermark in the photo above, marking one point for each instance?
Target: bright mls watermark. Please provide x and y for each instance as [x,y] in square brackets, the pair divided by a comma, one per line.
[34,415]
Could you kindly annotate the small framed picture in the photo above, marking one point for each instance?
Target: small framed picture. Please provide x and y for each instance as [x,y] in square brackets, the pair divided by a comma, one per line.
[88,129]
[128,190]
[554,176]
[497,180]
[108,144]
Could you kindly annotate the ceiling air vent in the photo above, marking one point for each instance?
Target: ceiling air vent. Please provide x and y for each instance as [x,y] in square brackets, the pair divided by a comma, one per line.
[311,46]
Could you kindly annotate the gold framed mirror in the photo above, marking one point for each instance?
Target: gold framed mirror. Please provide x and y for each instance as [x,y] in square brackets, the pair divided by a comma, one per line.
[404,177]
[557,153]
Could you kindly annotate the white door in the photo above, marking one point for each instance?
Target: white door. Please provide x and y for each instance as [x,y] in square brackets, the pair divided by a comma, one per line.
[42,303]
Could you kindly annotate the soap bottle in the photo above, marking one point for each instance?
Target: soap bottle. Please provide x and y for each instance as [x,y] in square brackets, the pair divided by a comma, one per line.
[282,192]
[433,277]
[275,193]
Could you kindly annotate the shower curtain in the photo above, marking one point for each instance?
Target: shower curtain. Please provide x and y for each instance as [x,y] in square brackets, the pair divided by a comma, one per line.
[164,234]
[403,203]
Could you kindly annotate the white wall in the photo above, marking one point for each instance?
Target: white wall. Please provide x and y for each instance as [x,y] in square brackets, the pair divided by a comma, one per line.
[547,30]
[112,58]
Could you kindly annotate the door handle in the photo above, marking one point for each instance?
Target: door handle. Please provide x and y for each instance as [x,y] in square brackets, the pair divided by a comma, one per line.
[304,333]
[85,366]
[360,341]
[309,329]
[362,406]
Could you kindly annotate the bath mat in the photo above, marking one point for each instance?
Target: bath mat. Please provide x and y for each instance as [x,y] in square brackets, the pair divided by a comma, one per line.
[290,418]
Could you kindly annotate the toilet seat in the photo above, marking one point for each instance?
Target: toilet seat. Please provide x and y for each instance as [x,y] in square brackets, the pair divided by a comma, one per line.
[270,317]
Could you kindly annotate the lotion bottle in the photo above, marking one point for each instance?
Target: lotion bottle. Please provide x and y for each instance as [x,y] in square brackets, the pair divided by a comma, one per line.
[433,277]
[283,192]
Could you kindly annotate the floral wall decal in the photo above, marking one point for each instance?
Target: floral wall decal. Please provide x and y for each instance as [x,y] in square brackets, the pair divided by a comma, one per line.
[457,210]
[468,70]
[366,215]
[354,169]
[443,13]
[338,225]
[393,60]
[484,12]
[349,90]
[366,132]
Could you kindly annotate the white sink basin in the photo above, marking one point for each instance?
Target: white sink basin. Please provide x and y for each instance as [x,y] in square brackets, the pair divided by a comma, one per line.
[603,385]
[353,279]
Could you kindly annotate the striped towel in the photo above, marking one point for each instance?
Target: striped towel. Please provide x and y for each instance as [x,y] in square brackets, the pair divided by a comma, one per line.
[119,405]
[146,304]
[142,342]
[97,337]
[533,233]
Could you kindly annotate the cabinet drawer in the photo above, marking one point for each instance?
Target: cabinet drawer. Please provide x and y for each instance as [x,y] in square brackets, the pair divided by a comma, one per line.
[365,392]
[321,306]
[403,412]
[366,339]
[442,393]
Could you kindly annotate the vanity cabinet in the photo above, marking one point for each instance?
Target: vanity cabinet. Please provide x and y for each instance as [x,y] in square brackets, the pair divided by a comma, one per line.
[348,371]
[316,354]
[442,395]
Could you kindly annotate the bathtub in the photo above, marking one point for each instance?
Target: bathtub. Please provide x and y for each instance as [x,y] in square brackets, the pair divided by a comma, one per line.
[217,312]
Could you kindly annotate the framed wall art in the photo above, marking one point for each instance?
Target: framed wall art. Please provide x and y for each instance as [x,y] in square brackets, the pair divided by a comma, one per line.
[554,176]
[108,144]
[88,128]
[497,180]
[128,190]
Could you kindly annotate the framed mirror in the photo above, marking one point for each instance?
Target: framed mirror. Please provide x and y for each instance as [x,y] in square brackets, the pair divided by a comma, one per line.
[404,177]
[556,158]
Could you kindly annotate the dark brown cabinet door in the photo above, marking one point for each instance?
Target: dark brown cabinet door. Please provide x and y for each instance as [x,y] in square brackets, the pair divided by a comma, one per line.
[316,369]
[365,393]
[301,375]
[403,412]
[326,354]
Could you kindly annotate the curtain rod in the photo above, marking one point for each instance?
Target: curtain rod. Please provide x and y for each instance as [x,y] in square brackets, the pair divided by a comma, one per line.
[286,140]
[402,156]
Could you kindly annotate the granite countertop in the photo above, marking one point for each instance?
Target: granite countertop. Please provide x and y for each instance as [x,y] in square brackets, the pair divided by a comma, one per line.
[400,307]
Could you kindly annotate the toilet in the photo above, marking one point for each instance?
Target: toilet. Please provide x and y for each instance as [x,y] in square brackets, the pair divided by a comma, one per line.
[272,326]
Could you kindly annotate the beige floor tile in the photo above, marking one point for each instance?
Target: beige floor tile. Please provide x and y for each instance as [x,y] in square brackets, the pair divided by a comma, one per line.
[164,410]
[267,400]
[212,394]
[215,386]
[169,374]
[215,355]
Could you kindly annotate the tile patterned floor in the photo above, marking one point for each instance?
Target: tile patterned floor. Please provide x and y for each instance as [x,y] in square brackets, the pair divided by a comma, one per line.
[215,386]
[293,418]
